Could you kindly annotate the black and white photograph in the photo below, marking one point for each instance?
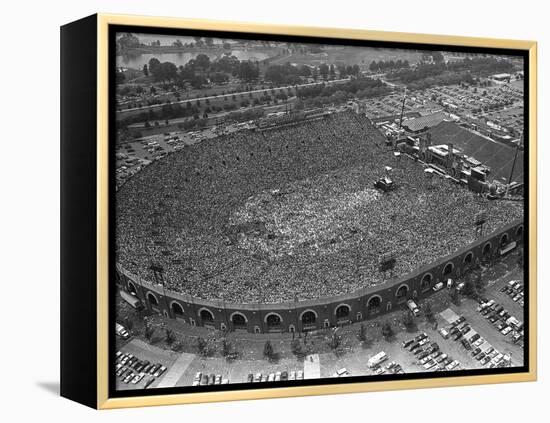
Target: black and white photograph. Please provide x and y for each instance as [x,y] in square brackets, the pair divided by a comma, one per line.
[291,212]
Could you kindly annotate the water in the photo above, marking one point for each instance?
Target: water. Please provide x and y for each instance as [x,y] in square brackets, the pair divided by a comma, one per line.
[181,58]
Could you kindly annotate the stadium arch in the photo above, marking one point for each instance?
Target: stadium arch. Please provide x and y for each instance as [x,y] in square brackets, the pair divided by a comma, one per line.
[152,299]
[374,304]
[238,320]
[504,239]
[177,309]
[426,282]
[206,315]
[132,288]
[273,320]
[448,269]
[308,317]
[519,233]
[468,259]
[401,293]
[342,312]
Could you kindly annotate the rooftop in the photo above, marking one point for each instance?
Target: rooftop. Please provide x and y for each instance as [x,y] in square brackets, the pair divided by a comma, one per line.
[424,122]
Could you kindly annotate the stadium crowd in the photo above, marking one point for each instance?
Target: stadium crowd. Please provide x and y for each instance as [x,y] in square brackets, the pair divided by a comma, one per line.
[290,214]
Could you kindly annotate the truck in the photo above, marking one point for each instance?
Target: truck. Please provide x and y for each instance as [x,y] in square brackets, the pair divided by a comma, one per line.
[375,360]
[438,286]
[132,300]
[121,331]
[413,307]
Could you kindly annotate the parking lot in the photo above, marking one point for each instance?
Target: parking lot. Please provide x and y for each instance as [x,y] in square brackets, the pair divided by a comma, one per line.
[486,344]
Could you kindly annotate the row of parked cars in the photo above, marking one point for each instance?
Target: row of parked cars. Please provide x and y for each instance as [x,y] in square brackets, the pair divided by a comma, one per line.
[131,369]
[515,290]
[502,320]
[473,342]
[275,377]
[212,379]
[429,355]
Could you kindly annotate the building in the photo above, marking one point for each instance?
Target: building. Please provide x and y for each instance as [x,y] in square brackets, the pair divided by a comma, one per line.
[325,312]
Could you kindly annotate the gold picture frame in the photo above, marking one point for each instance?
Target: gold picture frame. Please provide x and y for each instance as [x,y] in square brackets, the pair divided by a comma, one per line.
[102,398]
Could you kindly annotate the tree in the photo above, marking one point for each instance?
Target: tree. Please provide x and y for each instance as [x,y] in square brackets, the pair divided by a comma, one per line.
[479,282]
[520,258]
[169,334]
[387,331]
[428,312]
[202,61]
[149,330]
[153,63]
[202,346]
[469,289]
[129,323]
[268,350]
[335,341]
[332,72]
[438,57]
[247,71]
[127,40]
[226,347]
[323,70]
[198,41]
[120,78]
[454,297]
[296,347]
[362,336]
[408,320]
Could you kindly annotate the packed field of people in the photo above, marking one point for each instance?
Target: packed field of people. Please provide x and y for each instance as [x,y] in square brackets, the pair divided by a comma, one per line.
[290,214]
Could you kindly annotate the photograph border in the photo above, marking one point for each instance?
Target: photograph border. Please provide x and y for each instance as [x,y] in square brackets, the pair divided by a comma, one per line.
[106,398]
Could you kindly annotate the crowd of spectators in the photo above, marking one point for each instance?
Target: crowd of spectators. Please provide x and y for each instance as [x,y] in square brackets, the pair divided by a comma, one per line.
[290,214]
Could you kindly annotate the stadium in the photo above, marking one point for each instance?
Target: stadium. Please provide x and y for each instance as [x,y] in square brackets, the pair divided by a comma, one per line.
[283,229]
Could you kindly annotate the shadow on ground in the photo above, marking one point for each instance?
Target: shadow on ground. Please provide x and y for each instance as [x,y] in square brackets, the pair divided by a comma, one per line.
[50,387]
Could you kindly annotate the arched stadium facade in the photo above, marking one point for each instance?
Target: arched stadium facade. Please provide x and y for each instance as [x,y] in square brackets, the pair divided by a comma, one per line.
[323,312]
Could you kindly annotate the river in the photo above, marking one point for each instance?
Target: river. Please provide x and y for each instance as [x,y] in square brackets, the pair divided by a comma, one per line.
[181,58]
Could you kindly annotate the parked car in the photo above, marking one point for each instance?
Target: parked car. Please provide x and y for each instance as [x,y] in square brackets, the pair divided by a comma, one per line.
[430,364]
[160,371]
[198,377]
[441,358]
[476,351]
[420,337]
[137,378]
[485,360]
[452,365]
[424,341]
[506,330]
[479,342]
